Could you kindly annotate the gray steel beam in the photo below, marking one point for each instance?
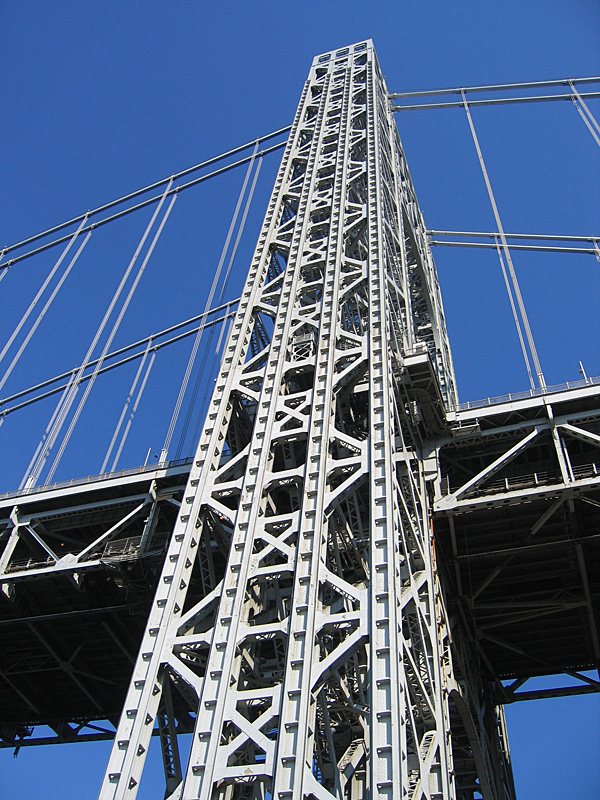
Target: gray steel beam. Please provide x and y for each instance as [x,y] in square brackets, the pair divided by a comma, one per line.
[320,653]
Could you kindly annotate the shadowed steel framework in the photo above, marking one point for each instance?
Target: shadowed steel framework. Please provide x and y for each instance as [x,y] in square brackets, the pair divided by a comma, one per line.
[294,611]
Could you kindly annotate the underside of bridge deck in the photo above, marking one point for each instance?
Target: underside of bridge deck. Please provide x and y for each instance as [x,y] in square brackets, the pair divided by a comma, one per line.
[517,530]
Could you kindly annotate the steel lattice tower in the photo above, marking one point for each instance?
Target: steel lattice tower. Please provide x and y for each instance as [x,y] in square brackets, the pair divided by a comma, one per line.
[317,655]
[338,594]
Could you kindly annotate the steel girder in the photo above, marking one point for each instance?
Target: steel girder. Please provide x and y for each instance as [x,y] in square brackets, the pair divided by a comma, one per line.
[78,570]
[317,659]
[517,516]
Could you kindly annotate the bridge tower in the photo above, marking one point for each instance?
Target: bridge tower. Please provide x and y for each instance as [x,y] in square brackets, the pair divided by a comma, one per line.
[299,614]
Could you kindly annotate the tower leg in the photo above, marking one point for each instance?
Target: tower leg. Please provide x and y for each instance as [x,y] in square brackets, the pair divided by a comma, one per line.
[299,602]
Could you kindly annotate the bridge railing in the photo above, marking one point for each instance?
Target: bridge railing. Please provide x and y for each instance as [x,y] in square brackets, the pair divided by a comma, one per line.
[178,462]
[508,398]
[530,480]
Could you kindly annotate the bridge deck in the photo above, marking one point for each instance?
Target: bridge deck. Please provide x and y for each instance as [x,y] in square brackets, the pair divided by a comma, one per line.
[75,600]
[517,526]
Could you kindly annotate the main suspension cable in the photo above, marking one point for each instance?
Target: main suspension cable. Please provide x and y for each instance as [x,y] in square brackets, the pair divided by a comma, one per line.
[145,189]
[121,350]
[143,204]
[528,247]
[42,313]
[106,368]
[499,87]
[540,237]
[502,101]
[112,335]
[41,291]
[66,401]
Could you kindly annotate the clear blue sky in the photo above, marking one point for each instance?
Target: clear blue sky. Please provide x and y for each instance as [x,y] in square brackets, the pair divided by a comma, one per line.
[99,99]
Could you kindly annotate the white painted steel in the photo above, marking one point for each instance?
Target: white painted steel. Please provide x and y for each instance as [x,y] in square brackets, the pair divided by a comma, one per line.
[319,653]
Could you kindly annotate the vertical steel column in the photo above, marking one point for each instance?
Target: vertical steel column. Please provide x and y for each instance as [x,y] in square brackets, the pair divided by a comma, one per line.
[298,613]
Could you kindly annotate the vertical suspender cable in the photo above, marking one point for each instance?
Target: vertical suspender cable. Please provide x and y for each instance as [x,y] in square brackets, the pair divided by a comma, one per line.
[236,245]
[515,314]
[67,399]
[223,337]
[196,433]
[109,341]
[213,288]
[42,313]
[42,289]
[126,406]
[133,410]
[589,120]
[29,476]
[511,269]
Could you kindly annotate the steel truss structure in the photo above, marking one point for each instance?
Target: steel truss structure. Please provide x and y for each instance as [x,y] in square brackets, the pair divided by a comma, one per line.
[517,520]
[78,568]
[319,650]
[281,598]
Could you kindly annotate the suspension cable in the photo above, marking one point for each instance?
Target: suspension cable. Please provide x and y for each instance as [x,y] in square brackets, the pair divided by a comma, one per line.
[132,346]
[112,335]
[28,479]
[529,247]
[234,250]
[223,338]
[500,87]
[217,276]
[515,314]
[511,269]
[144,203]
[194,395]
[133,411]
[125,407]
[42,313]
[128,360]
[40,292]
[495,102]
[587,117]
[67,400]
[552,237]
[145,189]
[587,111]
